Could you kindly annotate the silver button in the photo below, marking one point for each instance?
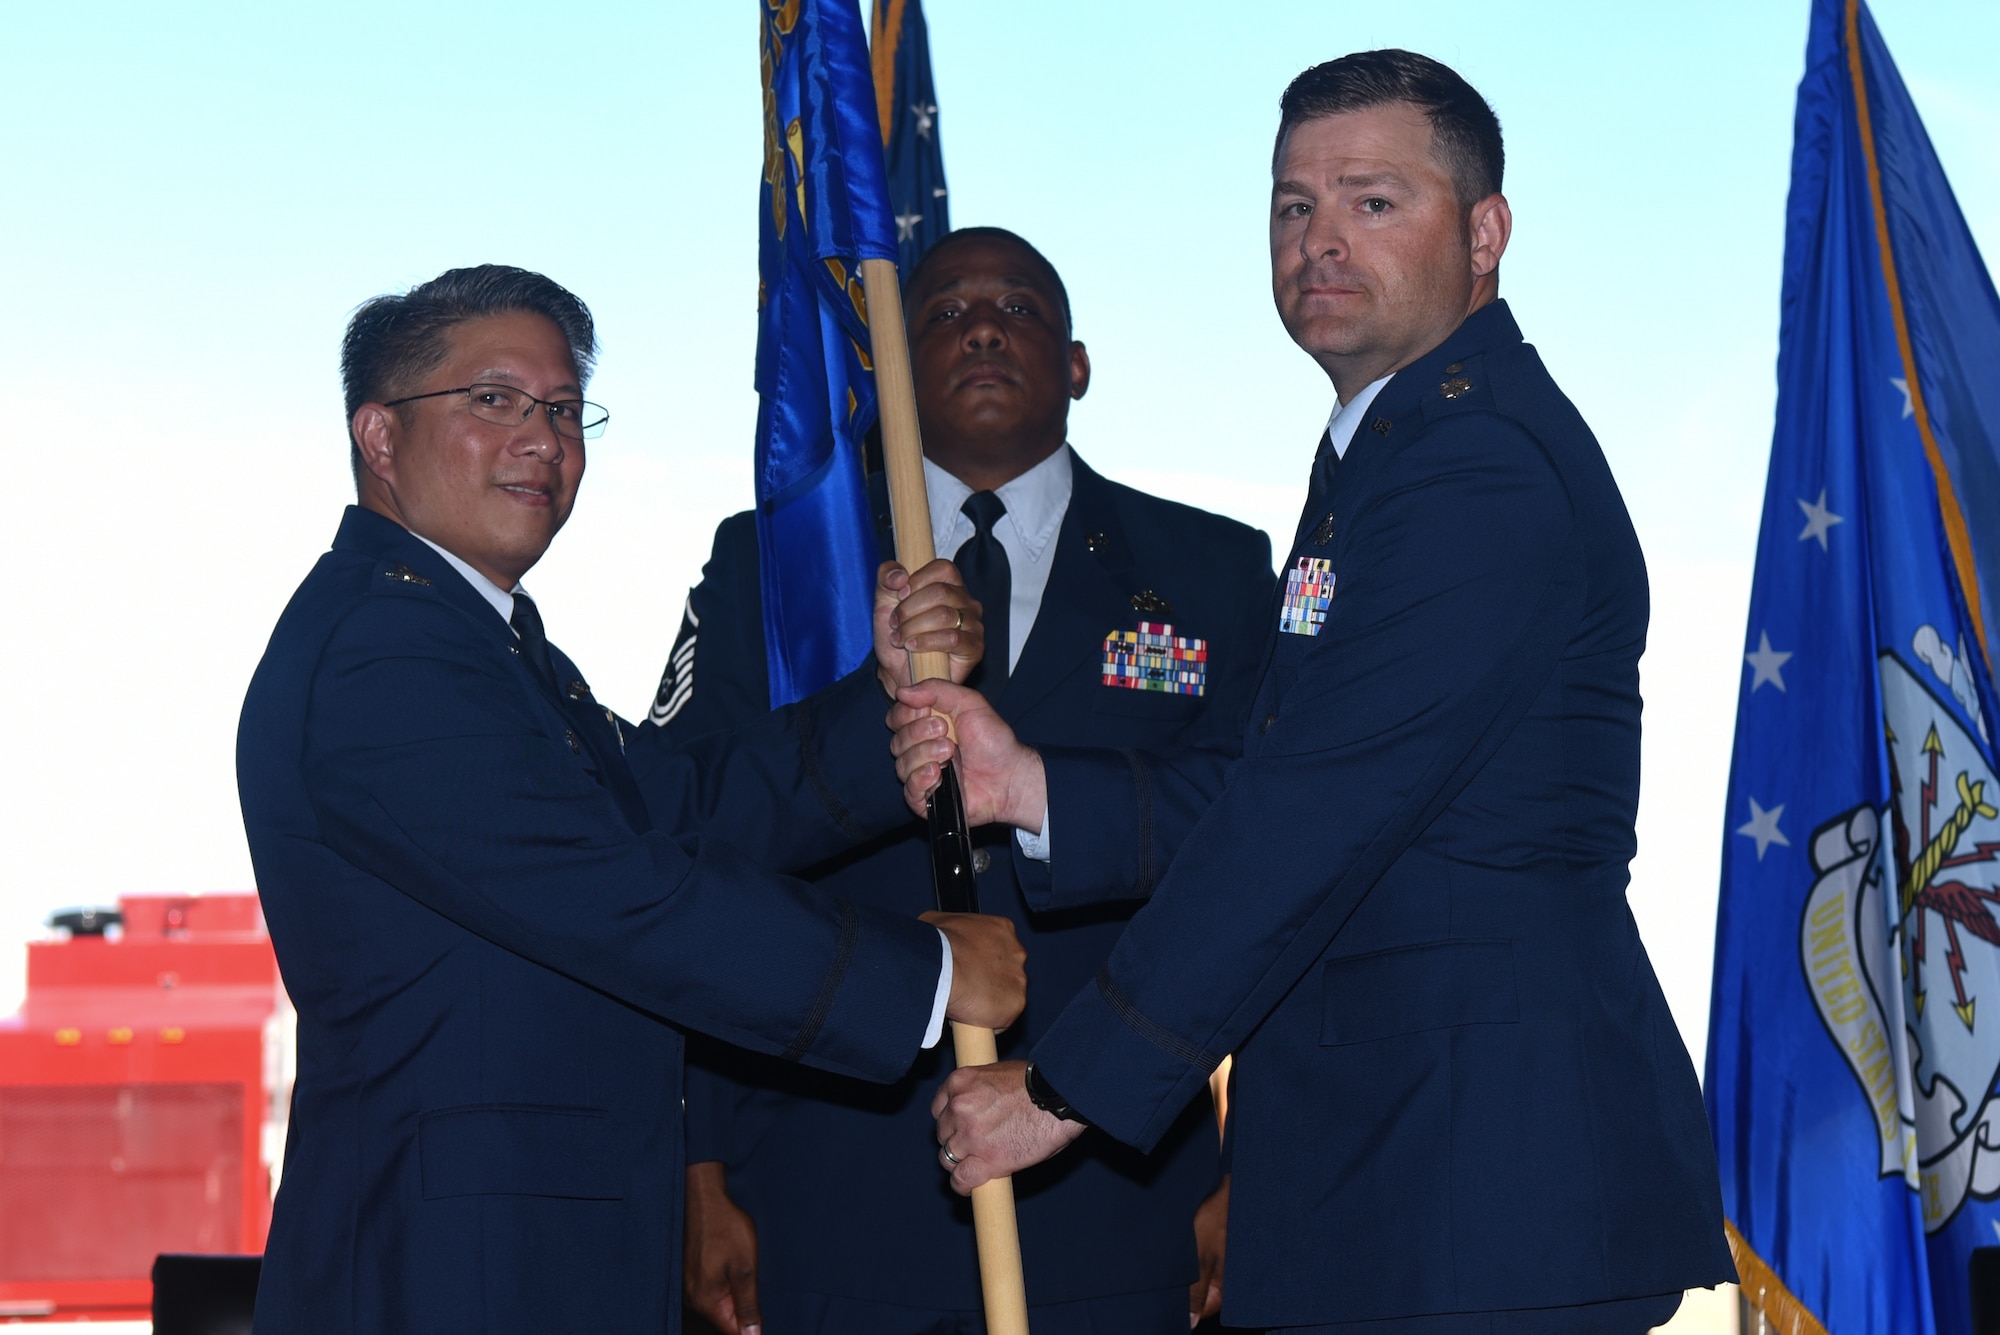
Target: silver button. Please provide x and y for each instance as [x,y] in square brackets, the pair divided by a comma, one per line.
[1265,726]
[981,860]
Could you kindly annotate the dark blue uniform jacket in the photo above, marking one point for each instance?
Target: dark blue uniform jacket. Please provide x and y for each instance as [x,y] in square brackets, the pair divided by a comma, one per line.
[492,902]
[1458,1086]
[842,1178]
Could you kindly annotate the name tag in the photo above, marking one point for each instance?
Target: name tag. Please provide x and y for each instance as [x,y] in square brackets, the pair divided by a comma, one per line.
[1308,591]
[1153,658]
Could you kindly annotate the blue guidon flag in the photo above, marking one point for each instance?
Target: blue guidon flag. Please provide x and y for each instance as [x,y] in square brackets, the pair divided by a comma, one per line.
[824,208]
[906,101]
[1854,1042]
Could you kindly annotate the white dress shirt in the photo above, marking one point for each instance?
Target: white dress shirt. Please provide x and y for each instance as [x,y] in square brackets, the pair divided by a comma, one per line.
[1346,419]
[503,603]
[1036,502]
[502,599]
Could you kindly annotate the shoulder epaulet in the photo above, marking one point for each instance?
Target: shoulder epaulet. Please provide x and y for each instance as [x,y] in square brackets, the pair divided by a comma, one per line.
[1460,385]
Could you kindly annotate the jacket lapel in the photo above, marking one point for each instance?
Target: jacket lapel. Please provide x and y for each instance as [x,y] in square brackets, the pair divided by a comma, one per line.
[411,560]
[1089,594]
[385,540]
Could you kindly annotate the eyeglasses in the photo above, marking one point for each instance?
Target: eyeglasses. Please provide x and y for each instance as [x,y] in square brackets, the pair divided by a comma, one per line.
[504,405]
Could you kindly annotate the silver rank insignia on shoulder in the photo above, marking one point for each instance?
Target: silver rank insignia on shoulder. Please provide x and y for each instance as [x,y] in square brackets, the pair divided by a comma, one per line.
[404,574]
[1152,604]
[1324,533]
[578,689]
[611,718]
[1456,387]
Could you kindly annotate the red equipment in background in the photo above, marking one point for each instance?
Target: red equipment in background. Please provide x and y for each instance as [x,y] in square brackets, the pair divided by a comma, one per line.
[144,1089]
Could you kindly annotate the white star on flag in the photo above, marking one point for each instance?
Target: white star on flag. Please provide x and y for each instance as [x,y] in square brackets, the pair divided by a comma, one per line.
[1818,519]
[1763,827]
[926,117]
[1909,409]
[1768,662]
[906,225]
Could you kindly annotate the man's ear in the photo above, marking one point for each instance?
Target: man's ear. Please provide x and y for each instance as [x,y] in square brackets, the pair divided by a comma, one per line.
[1492,222]
[377,431]
[1079,370]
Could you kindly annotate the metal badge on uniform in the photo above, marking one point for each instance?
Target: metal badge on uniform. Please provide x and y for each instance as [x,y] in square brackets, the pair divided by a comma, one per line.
[1153,658]
[404,575]
[1324,533]
[1308,593]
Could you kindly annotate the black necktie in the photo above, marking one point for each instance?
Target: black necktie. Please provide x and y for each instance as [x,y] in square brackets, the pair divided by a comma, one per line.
[983,562]
[527,623]
[1326,463]
[586,729]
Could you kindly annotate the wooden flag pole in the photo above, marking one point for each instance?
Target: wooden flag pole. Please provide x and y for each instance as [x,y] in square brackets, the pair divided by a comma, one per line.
[993,1222]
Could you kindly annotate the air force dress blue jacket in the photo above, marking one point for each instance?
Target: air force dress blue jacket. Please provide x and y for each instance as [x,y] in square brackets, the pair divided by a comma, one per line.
[1458,1086]
[493,902]
[842,1178]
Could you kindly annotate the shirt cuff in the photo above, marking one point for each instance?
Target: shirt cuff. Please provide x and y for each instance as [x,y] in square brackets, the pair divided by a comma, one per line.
[1035,846]
[936,1029]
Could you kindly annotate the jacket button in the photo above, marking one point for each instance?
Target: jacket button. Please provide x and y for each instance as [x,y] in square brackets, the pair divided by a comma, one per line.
[981,860]
[575,747]
[1265,726]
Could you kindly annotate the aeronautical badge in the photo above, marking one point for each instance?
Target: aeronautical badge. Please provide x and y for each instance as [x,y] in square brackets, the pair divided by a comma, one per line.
[1901,949]
[1153,658]
[1324,533]
[1308,592]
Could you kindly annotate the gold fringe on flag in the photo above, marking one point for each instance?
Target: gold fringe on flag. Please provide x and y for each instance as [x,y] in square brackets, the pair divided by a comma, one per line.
[1767,1293]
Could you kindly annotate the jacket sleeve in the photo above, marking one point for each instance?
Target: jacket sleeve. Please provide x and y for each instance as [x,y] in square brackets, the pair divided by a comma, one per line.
[1122,814]
[716,679]
[715,675]
[716,752]
[1460,584]
[429,766]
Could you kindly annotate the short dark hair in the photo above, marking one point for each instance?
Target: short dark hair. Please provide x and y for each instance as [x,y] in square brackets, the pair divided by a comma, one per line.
[1465,134]
[1036,260]
[394,340]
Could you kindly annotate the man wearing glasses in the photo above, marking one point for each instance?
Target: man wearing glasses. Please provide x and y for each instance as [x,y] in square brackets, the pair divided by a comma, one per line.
[492,901]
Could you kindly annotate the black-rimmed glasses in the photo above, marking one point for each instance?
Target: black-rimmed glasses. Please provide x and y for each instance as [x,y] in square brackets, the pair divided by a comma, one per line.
[504,405]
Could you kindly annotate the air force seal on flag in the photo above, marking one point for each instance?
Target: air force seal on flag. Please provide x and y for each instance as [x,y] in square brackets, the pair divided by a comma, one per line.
[1901,947]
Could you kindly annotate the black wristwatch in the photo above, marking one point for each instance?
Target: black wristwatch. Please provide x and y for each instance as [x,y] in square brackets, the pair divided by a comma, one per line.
[1044,1096]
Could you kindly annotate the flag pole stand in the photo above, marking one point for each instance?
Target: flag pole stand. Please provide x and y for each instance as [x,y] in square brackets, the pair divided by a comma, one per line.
[1000,1279]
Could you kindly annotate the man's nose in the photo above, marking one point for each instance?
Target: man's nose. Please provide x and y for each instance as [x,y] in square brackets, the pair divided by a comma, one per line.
[538,436]
[1325,236]
[983,330]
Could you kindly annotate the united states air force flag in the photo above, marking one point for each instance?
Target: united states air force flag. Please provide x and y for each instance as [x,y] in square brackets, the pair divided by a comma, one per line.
[824,208]
[1855,1034]
[906,99]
